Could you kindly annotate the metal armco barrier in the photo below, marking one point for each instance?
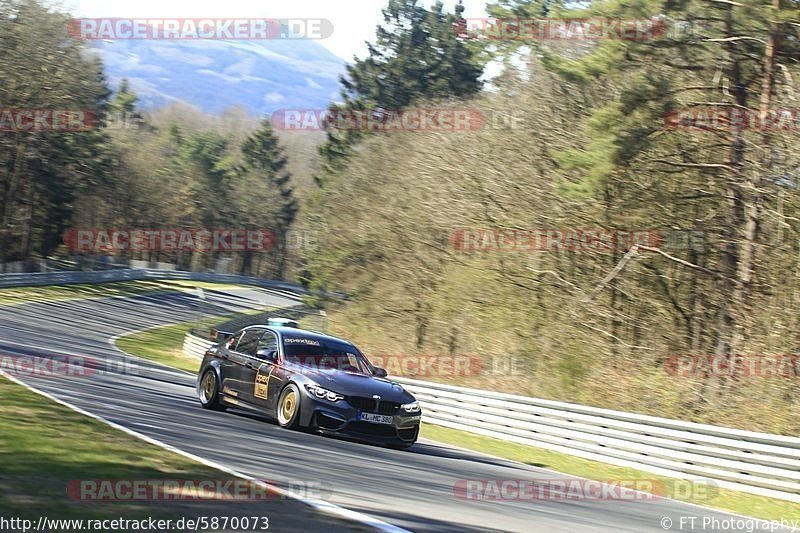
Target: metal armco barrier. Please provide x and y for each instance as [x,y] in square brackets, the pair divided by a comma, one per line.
[747,461]
[103,276]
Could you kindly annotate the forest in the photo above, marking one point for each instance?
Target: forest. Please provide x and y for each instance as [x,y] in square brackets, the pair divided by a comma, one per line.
[626,202]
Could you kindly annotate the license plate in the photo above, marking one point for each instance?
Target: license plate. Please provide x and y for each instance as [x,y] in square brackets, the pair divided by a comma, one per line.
[375,419]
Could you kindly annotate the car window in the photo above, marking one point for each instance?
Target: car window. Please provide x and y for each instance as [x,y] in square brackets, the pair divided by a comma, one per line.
[249,341]
[354,360]
[233,340]
[323,355]
[267,343]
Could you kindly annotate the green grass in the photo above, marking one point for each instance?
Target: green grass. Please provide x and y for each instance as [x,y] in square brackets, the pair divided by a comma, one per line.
[164,345]
[18,295]
[44,446]
[160,345]
[737,502]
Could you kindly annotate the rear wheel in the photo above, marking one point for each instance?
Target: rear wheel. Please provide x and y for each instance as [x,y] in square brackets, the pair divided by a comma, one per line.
[209,391]
[288,414]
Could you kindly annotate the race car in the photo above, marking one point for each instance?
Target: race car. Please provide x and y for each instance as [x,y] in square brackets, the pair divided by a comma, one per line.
[308,380]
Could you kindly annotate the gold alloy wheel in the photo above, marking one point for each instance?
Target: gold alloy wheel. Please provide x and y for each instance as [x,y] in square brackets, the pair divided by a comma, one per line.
[208,387]
[288,407]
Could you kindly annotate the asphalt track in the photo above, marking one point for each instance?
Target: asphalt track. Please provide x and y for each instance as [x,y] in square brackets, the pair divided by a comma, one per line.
[411,489]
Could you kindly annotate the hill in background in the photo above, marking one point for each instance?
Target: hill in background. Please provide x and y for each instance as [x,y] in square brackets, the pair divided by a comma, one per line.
[260,76]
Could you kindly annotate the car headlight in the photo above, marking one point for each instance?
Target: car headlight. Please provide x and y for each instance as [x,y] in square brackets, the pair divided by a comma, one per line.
[319,392]
[412,407]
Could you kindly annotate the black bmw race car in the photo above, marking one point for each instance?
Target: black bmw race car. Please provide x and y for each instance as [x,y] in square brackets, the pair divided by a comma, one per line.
[308,380]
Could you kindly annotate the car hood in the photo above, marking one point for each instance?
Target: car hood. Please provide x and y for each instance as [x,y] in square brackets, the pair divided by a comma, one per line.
[351,384]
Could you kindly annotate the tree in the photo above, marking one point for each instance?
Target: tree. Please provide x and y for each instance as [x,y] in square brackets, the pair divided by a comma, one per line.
[265,161]
[123,108]
[417,55]
[728,60]
[42,172]
[594,148]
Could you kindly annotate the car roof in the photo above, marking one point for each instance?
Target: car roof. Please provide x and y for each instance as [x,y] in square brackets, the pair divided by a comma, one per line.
[316,335]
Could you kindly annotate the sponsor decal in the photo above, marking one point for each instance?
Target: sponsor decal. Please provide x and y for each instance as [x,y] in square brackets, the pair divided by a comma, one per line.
[301,340]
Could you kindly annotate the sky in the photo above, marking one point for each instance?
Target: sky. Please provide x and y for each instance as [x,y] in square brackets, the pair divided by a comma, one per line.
[354,21]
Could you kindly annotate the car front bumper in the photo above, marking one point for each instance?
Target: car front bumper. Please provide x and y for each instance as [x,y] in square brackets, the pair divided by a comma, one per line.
[340,418]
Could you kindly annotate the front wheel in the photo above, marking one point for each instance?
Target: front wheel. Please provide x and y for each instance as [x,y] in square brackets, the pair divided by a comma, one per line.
[288,414]
[209,391]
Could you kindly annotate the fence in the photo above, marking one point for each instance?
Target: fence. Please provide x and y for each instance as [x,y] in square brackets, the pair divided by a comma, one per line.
[69,278]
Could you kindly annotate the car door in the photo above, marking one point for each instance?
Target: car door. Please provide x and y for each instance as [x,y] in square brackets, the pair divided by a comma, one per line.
[243,365]
[265,379]
[229,369]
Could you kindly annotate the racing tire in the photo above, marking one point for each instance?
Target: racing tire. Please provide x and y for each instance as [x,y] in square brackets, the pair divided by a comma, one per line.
[209,391]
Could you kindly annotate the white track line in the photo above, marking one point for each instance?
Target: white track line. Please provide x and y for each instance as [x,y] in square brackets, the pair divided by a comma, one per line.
[319,505]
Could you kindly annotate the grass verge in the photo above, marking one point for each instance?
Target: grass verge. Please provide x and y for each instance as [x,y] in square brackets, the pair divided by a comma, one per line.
[159,345]
[45,446]
[164,344]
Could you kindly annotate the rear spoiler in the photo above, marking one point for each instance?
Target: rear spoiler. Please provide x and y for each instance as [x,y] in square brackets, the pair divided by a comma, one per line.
[220,336]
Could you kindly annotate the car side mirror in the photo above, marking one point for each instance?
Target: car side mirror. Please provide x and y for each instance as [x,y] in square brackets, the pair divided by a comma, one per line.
[269,355]
[379,372]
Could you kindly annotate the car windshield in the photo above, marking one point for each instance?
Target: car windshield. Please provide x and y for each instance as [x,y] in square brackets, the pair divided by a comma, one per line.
[321,355]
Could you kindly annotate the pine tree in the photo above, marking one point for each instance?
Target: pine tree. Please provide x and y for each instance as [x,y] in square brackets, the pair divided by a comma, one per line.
[264,158]
[123,108]
[417,55]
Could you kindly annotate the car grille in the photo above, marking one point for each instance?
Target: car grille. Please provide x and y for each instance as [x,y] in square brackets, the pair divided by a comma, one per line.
[368,404]
[376,430]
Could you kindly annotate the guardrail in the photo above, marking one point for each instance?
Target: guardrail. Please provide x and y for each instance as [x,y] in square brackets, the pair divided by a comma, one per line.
[758,463]
[68,278]
[196,346]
